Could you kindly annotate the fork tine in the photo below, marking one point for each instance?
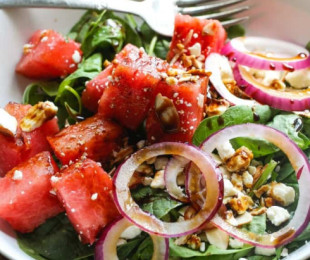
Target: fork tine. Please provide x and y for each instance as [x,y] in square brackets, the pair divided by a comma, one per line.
[234,21]
[208,7]
[224,14]
[191,2]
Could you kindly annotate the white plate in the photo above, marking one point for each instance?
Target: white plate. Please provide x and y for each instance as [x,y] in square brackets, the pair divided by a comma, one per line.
[282,19]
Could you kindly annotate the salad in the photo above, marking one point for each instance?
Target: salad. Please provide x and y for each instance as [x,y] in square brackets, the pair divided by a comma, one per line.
[116,152]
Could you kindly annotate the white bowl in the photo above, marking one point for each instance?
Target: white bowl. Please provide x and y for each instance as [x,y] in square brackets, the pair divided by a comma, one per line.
[282,19]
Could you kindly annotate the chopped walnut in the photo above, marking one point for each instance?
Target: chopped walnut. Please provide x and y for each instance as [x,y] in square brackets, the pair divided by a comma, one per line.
[194,242]
[145,169]
[158,181]
[216,107]
[37,115]
[138,179]
[269,202]
[240,205]
[263,189]
[258,211]
[240,161]
[167,113]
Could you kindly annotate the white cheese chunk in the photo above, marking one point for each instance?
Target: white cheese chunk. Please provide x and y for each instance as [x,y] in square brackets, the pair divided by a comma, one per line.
[218,238]
[158,182]
[283,193]
[195,49]
[225,150]
[229,189]
[299,78]
[18,175]
[8,123]
[277,215]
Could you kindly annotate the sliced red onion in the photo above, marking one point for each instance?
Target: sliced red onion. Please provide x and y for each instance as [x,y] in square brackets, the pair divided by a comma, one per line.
[294,100]
[149,223]
[106,247]
[254,52]
[213,64]
[173,168]
[301,166]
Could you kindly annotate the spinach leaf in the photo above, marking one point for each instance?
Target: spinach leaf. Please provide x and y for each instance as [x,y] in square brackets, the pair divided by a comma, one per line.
[287,124]
[40,91]
[258,224]
[185,252]
[145,250]
[126,250]
[259,147]
[154,201]
[56,239]
[235,31]
[268,169]
[233,116]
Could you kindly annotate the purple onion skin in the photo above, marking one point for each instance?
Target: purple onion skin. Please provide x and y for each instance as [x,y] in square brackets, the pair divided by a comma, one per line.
[212,214]
[256,128]
[259,95]
[256,62]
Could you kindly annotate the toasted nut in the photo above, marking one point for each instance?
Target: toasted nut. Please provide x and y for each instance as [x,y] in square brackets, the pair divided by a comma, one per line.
[263,189]
[122,154]
[137,179]
[187,61]
[180,46]
[145,169]
[218,238]
[158,181]
[269,202]
[278,84]
[258,173]
[106,63]
[161,163]
[240,205]
[258,211]
[37,115]
[8,123]
[216,107]
[243,219]
[167,113]
[180,241]
[171,81]
[240,161]
[194,242]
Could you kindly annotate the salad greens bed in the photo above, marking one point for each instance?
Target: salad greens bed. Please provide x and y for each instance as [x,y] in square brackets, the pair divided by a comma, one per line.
[102,35]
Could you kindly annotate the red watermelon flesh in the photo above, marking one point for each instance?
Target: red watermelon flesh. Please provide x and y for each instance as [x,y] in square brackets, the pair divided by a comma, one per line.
[49,55]
[210,34]
[85,190]
[26,200]
[188,99]
[25,145]
[95,137]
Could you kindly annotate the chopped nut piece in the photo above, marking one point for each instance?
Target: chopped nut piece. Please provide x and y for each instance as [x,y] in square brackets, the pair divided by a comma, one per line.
[216,107]
[208,29]
[151,160]
[258,211]
[263,189]
[247,179]
[145,169]
[161,163]
[122,154]
[158,181]
[282,193]
[171,81]
[194,242]
[137,179]
[8,123]
[278,84]
[240,161]
[180,46]
[106,63]
[186,60]
[167,113]
[268,202]
[37,115]
[180,241]
[240,205]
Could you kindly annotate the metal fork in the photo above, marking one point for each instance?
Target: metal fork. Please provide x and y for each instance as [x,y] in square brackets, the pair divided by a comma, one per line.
[159,14]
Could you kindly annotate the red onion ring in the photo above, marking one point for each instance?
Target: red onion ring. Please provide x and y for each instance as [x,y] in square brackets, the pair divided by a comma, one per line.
[301,166]
[289,100]
[213,64]
[244,51]
[175,166]
[149,223]
[106,245]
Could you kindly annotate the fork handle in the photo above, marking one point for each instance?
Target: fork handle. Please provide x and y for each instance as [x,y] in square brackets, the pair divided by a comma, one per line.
[114,5]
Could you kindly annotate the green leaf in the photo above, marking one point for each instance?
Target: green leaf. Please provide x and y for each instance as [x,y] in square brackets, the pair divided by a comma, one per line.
[233,116]
[258,224]
[185,252]
[308,46]
[268,169]
[40,91]
[56,239]
[259,147]
[287,124]
[125,251]
[235,31]
[145,250]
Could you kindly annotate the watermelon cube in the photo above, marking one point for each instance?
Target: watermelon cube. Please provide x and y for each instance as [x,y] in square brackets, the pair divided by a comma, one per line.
[85,190]
[14,150]
[95,138]
[27,199]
